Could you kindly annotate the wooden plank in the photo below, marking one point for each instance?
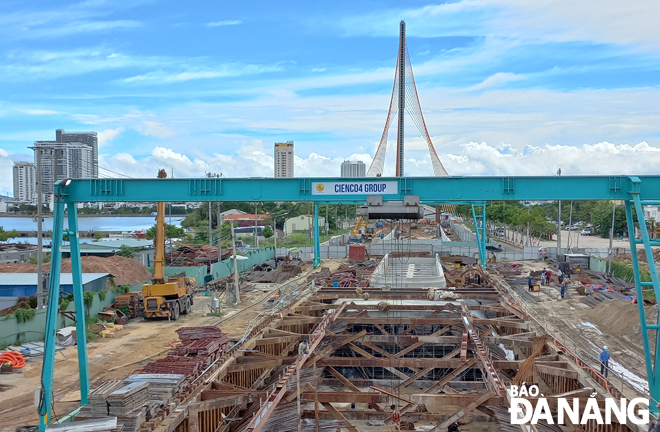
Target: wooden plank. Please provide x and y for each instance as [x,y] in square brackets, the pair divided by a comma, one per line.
[337,415]
[447,378]
[437,321]
[353,337]
[462,412]
[264,364]
[414,378]
[223,402]
[91,425]
[382,329]
[343,379]
[422,342]
[565,373]
[454,398]
[345,397]
[278,340]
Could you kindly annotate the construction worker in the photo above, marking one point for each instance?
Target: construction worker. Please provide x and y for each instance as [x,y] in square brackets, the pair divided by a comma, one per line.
[543,277]
[563,290]
[604,361]
[560,276]
[303,348]
[530,284]
[396,416]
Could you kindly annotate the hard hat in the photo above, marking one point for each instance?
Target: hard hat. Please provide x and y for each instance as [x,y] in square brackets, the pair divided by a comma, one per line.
[605,348]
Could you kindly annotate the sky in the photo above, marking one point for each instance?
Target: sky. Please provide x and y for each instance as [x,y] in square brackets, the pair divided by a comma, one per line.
[507,87]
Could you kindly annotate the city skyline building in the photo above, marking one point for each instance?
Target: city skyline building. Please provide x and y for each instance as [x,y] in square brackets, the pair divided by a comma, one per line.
[283,159]
[24,182]
[353,169]
[70,155]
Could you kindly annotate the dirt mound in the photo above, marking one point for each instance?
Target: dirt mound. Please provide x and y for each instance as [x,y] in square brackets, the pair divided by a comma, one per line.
[127,271]
[641,256]
[621,318]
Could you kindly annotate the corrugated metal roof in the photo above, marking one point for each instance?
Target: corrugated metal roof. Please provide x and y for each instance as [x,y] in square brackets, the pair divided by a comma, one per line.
[136,243]
[110,246]
[31,278]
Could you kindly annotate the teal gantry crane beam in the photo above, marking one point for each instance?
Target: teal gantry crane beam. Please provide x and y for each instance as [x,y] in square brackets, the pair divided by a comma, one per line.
[633,191]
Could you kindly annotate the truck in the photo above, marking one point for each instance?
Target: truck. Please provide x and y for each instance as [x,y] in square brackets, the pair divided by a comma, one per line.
[166,298]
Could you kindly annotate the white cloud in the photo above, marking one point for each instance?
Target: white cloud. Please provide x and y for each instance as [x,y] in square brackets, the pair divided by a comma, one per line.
[252,160]
[497,80]
[223,23]
[155,129]
[606,21]
[108,135]
[80,27]
[226,70]
[38,112]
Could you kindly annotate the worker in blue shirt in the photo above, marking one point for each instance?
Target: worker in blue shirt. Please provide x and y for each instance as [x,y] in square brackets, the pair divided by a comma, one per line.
[530,287]
[604,361]
[563,290]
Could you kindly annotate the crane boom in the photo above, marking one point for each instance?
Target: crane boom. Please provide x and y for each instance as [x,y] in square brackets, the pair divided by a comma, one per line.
[159,244]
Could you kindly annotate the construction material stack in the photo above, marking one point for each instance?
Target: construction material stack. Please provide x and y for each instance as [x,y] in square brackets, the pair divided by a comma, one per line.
[200,346]
[141,396]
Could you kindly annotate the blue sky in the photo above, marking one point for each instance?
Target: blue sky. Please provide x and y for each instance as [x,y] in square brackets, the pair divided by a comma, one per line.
[506,86]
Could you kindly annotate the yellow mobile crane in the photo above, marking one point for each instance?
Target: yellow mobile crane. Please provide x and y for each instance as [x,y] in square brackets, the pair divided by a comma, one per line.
[166,298]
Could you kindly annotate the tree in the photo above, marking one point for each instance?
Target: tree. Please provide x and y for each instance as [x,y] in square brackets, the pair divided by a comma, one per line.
[602,216]
[267,232]
[126,251]
[6,235]
[98,236]
[171,231]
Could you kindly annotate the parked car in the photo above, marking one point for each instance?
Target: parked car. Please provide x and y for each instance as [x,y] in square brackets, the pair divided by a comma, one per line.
[586,231]
[572,228]
[499,231]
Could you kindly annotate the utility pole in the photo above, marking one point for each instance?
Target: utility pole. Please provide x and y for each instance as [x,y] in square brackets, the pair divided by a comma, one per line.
[210,226]
[559,233]
[529,241]
[40,242]
[256,222]
[237,289]
[609,271]
[327,221]
[570,222]
[219,234]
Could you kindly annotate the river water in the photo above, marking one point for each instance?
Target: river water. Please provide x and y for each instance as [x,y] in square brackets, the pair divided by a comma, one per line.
[95,223]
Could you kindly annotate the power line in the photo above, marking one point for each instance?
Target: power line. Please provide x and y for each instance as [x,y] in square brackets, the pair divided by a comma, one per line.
[114,172]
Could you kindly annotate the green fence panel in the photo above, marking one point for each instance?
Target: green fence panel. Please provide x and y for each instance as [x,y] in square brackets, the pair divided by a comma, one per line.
[12,331]
[196,272]
[597,264]
[226,267]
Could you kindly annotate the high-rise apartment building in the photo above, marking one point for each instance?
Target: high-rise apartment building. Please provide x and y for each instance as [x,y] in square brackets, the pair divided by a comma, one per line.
[353,169]
[283,158]
[71,155]
[24,183]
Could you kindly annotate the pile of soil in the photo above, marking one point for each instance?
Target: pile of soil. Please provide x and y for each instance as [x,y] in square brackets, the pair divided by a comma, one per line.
[641,256]
[126,271]
[621,318]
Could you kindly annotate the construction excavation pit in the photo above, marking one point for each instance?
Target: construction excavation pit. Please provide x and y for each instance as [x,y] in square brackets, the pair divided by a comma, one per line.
[412,343]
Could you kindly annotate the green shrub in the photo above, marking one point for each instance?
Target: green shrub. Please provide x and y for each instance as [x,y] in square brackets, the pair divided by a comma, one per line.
[121,289]
[24,315]
[88,299]
[102,295]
